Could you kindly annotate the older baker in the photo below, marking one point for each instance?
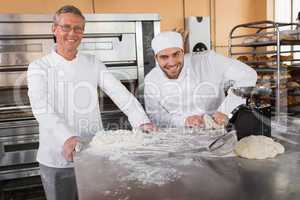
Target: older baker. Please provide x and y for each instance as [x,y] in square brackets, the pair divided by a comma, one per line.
[63,95]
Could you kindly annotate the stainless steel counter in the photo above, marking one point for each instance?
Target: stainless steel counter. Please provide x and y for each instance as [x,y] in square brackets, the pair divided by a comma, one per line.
[212,178]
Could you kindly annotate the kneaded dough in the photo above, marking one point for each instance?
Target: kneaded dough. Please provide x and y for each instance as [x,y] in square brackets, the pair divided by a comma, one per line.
[209,123]
[258,147]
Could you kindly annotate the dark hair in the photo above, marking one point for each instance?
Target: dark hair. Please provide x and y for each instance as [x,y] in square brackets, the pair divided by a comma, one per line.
[67,9]
[298,16]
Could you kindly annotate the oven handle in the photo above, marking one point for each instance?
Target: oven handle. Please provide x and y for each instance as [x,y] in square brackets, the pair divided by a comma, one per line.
[19,68]
[24,37]
[19,124]
[17,140]
[50,36]
[99,35]
[8,108]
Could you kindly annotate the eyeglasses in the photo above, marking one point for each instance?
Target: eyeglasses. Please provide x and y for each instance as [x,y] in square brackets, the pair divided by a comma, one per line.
[68,28]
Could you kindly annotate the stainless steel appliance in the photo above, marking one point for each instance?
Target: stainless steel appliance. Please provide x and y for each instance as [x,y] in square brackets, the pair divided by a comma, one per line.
[121,41]
[199,38]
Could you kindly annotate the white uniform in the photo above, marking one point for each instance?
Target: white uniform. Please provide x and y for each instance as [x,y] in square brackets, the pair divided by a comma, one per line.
[64,100]
[199,88]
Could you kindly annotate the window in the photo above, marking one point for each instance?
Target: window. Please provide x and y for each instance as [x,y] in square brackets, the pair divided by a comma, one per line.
[296,9]
[287,11]
[283,11]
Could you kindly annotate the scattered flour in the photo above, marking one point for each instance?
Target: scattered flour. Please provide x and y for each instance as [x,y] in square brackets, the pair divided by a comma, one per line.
[146,156]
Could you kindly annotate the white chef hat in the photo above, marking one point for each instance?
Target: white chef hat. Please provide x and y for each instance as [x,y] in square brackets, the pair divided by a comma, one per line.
[166,40]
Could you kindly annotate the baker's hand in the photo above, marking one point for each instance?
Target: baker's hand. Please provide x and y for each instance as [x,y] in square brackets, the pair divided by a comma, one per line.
[220,118]
[194,121]
[69,147]
[148,127]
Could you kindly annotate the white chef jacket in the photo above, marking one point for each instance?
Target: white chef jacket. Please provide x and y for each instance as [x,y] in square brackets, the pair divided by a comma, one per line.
[199,88]
[64,100]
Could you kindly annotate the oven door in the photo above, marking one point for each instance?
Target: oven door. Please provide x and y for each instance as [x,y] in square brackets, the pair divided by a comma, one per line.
[17,54]
[18,148]
[112,49]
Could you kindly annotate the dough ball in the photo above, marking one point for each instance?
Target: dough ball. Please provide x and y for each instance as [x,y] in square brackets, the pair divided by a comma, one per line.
[258,147]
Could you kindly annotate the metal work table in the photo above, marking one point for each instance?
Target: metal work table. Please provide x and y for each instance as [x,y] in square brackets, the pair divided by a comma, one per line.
[215,178]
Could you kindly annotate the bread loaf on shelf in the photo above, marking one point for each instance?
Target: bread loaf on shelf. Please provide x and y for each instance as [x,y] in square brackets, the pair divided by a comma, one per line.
[289,35]
[291,100]
[267,77]
[249,40]
[281,65]
[243,58]
[262,58]
[264,38]
[293,84]
[265,84]
[282,57]
[283,75]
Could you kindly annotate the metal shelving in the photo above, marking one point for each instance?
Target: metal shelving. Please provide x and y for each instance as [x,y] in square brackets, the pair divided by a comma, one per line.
[263,50]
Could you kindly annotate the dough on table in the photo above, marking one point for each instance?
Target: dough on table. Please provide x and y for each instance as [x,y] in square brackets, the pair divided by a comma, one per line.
[258,147]
[209,123]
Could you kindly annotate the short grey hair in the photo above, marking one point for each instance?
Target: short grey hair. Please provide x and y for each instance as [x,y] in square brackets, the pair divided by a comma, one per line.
[67,9]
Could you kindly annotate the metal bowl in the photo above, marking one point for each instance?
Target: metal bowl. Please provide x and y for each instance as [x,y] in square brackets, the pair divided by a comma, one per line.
[251,91]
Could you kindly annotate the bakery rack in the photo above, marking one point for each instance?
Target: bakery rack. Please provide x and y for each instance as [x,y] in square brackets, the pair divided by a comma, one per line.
[271,49]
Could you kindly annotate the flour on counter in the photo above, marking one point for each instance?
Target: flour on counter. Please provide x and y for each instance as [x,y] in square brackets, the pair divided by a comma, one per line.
[146,156]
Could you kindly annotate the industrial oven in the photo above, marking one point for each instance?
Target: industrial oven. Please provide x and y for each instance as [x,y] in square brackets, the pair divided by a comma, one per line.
[121,41]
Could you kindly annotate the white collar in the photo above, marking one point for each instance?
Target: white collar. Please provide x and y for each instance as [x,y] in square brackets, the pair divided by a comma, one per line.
[61,58]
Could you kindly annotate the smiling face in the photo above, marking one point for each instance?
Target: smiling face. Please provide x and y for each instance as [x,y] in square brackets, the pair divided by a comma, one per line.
[68,31]
[170,61]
